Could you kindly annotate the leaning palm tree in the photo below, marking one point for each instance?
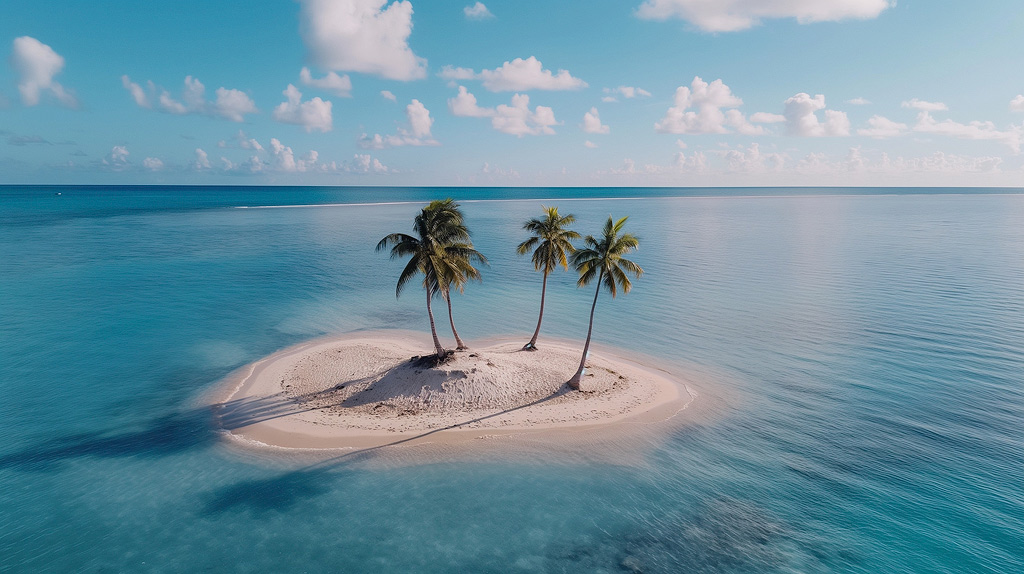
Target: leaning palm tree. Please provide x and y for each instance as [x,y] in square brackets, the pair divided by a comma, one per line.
[602,259]
[551,245]
[456,268]
[458,271]
[436,230]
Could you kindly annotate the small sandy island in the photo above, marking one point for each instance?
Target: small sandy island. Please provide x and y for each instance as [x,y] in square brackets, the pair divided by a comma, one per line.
[372,390]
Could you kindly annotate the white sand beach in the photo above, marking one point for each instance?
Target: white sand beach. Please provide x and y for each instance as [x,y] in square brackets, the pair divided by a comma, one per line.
[370,390]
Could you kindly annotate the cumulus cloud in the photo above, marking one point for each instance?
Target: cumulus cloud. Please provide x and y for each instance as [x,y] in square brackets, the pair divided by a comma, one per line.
[202,160]
[36,65]
[340,86]
[589,144]
[464,105]
[517,75]
[312,115]
[117,159]
[416,134]
[153,163]
[767,118]
[228,104]
[971,131]
[364,163]
[362,36]
[516,119]
[732,15]
[1017,104]
[627,92]
[242,141]
[708,115]
[387,95]
[925,106]
[592,123]
[858,102]
[477,12]
[752,160]
[802,120]
[882,127]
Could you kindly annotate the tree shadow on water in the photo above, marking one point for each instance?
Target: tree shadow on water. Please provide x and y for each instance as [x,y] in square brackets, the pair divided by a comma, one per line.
[163,435]
[281,492]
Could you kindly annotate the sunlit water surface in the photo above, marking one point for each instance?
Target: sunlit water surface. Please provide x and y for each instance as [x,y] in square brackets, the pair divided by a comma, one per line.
[870,347]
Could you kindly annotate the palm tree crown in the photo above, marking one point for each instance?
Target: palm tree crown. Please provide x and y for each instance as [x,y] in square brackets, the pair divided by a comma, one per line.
[551,244]
[602,259]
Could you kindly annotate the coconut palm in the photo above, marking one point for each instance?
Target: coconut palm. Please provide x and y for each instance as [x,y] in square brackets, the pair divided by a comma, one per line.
[551,245]
[440,237]
[457,268]
[602,259]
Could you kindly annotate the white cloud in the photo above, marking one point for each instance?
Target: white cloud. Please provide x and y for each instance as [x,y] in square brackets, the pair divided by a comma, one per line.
[732,15]
[924,106]
[971,131]
[138,94]
[464,105]
[589,144]
[477,12]
[709,117]
[36,65]
[364,163]
[752,160]
[312,115]
[517,119]
[242,141]
[233,105]
[117,159]
[767,118]
[202,160]
[417,134]
[229,104]
[801,118]
[882,127]
[592,123]
[627,92]
[387,95]
[681,144]
[1017,104]
[609,99]
[362,36]
[517,75]
[340,86]
[858,102]
[153,163]
[693,163]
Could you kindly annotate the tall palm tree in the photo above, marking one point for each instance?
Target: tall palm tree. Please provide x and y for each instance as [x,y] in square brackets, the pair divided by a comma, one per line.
[437,230]
[602,259]
[551,245]
[457,266]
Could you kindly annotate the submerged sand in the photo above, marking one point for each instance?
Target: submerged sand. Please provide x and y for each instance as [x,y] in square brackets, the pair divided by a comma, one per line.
[373,390]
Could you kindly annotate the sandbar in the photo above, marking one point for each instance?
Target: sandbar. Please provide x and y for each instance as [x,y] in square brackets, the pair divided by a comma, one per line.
[371,390]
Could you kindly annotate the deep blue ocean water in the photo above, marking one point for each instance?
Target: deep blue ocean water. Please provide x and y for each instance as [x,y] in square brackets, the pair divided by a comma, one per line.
[870,346]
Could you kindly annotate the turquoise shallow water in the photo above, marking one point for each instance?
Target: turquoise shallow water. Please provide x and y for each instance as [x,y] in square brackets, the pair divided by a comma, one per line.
[871,343]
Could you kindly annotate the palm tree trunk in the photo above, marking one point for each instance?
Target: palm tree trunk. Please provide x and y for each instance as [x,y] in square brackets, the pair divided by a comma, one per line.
[458,340]
[574,382]
[433,330]
[532,345]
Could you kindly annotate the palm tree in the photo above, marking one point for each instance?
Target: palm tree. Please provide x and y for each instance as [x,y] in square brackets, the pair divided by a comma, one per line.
[602,259]
[551,245]
[439,237]
[457,266]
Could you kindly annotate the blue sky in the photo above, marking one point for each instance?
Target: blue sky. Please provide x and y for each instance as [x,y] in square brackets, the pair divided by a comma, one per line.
[602,92]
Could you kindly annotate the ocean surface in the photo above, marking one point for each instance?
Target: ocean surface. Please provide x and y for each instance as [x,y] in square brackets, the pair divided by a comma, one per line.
[868,346]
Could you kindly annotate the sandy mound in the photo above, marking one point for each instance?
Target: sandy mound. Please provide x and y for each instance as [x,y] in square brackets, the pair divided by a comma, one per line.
[375,390]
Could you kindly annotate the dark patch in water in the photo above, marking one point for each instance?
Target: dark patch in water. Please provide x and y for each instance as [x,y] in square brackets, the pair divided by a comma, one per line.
[725,535]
